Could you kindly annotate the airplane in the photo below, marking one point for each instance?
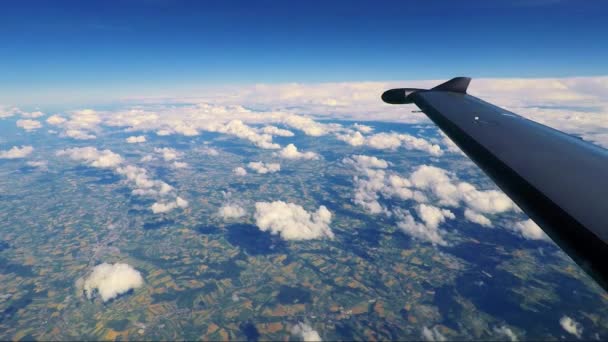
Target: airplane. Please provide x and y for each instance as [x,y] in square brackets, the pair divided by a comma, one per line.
[560,181]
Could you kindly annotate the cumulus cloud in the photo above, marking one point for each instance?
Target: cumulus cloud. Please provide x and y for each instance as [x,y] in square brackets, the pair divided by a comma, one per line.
[241,130]
[262,168]
[137,177]
[168,153]
[210,151]
[110,281]
[142,183]
[239,171]
[426,185]
[291,152]
[93,157]
[55,120]
[528,229]
[366,162]
[78,134]
[451,192]
[507,332]
[16,152]
[136,139]
[571,326]
[305,332]
[390,141]
[42,164]
[163,207]
[427,230]
[230,211]
[308,125]
[32,115]
[273,130]
[29,125]
[432,334]
[292,222]
[179,165]
[80,124]
[475,217]
[171,154]
[363,128]
[373,182]
[7,112]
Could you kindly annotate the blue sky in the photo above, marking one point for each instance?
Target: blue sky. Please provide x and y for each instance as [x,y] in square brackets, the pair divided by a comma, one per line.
[83,48]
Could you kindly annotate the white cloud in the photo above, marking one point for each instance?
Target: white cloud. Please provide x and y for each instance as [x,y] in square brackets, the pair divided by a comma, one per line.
[239,171]
[7,112]
[179,165]
[42,164]
[428,230]
[292,222]
[432,334]
[136,176]
[32,115]
[353,138]
[476,217]
[168,153]
[390,141]
[110,281]
[136,139]
[450,146]
[307,125]
[528,229]
[55,120]
[144,185]
[576,105]
[273,130]
[262,168]
[231,211]
[373,182]
[452,192]
[16,152]
[305,332]
[78,134]
[366,162]
[571,326]
[80,124]
[147,158]
[241,130]
[433,216]
[291,152]
[363,128]
[29,125]
[164,207]
[507,332]
[426,185]
[210,151]
[93,157]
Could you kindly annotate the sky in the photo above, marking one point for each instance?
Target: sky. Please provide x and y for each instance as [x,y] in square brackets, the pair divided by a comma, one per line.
[62,51]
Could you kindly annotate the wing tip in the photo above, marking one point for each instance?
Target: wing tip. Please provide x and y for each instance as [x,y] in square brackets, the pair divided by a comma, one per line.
[456,85]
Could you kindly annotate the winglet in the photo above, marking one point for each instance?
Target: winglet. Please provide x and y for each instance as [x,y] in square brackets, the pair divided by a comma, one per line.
[457,85]
[405,95]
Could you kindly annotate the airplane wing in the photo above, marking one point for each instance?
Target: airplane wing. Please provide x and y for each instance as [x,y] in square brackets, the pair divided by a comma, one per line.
[558,180]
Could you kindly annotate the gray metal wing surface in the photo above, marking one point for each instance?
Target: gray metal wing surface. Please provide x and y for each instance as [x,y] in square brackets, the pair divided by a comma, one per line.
[558,180]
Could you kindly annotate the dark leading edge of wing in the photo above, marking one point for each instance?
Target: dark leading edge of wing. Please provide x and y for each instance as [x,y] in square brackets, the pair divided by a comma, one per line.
[560,181]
